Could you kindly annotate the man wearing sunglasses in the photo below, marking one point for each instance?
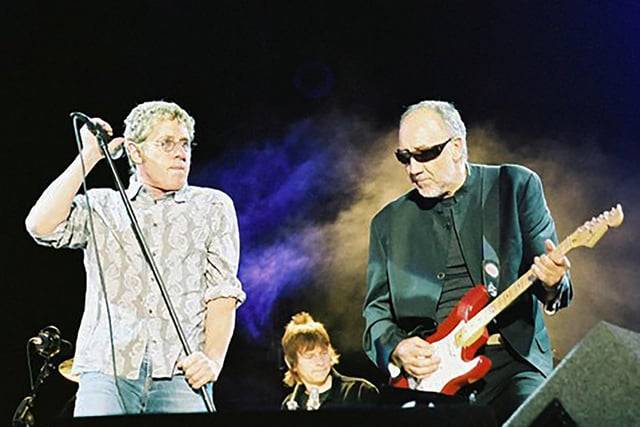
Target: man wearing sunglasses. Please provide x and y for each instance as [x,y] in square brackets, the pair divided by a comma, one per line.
[129,356]
[463,224]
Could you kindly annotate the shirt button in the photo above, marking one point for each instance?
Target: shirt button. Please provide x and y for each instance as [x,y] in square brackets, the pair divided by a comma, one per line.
[440,275]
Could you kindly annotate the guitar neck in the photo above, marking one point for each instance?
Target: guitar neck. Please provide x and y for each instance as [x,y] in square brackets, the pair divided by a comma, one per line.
[502,301]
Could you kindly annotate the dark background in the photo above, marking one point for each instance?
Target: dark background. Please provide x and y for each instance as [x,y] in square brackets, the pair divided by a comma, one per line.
[553,84]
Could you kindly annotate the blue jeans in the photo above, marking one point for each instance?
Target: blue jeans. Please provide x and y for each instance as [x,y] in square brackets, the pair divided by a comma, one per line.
[98,395]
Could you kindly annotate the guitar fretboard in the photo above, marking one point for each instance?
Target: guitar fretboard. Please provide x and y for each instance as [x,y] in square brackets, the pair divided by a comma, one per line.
[474,327]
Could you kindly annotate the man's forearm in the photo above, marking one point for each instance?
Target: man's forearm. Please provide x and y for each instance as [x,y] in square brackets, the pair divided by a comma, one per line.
[53,206]
[219,327]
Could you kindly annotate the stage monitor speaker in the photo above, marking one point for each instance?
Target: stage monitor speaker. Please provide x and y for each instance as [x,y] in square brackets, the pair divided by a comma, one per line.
[596,384]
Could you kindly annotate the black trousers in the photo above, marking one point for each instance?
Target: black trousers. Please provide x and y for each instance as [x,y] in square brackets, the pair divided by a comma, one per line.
[507,385]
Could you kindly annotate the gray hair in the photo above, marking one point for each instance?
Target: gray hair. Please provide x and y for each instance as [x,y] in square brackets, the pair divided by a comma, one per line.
[144,116]
[449,114]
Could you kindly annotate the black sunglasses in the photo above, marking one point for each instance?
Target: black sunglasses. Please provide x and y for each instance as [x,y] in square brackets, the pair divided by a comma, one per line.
[404,156]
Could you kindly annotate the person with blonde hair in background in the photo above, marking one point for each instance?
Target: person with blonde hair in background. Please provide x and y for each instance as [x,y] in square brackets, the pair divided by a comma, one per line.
[311,361]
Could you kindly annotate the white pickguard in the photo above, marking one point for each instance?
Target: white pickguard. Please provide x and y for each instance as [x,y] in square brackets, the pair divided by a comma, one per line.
[451,364]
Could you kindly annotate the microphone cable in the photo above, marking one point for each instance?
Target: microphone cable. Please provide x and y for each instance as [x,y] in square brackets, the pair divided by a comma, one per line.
[98,261]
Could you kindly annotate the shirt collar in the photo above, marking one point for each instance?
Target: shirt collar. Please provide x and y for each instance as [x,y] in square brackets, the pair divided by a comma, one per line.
[136,187]
[468,184]
[463,191]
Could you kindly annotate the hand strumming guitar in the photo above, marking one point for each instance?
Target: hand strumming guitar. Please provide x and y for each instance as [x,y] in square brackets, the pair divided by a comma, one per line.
[416,356]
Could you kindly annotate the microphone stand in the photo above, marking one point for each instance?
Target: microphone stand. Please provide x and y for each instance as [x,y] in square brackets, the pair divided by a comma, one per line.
[147,255]
[23,415]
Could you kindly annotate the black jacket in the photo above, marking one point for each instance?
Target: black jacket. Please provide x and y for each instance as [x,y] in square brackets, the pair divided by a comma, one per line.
[345,392]
[408,253]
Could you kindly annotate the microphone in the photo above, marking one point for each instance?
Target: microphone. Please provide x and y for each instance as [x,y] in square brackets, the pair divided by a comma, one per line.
[99,132]
[314,399]
[47,342]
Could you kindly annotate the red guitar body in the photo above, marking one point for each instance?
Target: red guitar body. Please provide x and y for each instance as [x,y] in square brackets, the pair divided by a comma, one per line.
[458,364]
[456,342]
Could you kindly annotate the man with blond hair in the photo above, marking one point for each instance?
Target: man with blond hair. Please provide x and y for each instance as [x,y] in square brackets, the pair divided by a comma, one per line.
[311,361]
[128,353]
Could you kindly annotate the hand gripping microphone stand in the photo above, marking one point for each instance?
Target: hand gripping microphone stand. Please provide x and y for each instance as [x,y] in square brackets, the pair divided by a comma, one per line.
[103,139]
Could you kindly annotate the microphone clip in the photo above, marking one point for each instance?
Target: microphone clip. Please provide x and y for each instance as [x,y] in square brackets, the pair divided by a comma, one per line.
[47,342]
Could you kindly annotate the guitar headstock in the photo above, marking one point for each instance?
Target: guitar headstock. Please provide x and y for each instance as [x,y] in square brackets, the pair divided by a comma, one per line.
[591,231]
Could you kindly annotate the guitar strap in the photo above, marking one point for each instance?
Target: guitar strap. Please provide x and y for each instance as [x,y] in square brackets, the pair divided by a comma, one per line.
[490,191]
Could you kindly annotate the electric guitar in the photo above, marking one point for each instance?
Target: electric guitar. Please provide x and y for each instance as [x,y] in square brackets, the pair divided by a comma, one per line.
[464,331]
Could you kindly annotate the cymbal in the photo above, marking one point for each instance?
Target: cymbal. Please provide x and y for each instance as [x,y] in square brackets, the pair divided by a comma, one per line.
[65,370]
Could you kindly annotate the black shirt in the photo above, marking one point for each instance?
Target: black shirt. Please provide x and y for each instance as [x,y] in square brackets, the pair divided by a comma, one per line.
[344,392]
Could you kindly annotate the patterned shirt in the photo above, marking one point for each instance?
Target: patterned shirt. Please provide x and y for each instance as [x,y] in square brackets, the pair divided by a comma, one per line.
[192,235]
